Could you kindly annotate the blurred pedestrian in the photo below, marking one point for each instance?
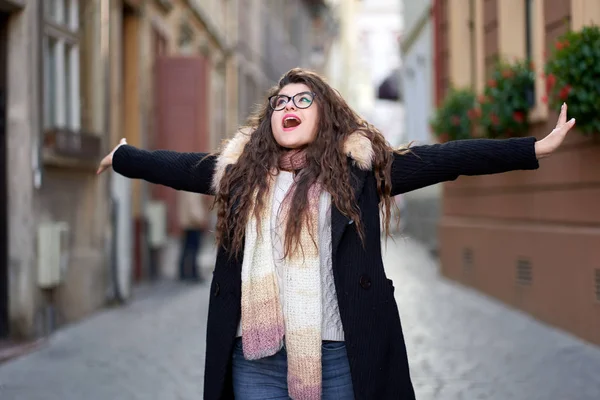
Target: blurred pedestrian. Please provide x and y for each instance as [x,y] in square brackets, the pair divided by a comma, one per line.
[300,304]
[193,220]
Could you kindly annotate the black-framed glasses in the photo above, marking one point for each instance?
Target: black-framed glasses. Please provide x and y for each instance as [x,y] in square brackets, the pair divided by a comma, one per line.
[301,100]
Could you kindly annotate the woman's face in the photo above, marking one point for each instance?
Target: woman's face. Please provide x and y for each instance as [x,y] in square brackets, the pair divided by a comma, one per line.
[294,122]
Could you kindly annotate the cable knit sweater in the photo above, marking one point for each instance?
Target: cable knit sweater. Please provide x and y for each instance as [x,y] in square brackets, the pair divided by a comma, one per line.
[331,328]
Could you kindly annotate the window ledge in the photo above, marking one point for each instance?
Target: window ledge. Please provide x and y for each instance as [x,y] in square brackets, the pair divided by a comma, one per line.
[53,160]
[71,149]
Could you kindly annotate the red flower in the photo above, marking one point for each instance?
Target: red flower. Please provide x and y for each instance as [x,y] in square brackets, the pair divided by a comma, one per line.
[518,116]
[495,119]
[507,73]
[564,92]
[545,99]
[455,120]
[483,99]
[562,45]
[550,81]
[474,113]
[492,83]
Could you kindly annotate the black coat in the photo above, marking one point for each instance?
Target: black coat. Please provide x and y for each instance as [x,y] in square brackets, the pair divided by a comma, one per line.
[370,318]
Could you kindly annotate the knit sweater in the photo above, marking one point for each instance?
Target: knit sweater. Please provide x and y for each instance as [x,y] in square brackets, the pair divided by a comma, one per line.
[331,327]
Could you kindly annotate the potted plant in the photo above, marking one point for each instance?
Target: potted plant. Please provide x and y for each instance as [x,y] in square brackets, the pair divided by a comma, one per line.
[451,120]
[572,72]
[506,100]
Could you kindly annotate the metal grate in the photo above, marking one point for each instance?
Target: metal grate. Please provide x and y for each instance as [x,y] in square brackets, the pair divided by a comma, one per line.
[467,260]
[524,272]
[597,281]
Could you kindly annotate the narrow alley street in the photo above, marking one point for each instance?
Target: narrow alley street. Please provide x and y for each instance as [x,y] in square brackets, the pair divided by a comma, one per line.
[461,344]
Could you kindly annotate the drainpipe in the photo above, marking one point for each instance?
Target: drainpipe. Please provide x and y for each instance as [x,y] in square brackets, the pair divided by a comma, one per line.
[105,57]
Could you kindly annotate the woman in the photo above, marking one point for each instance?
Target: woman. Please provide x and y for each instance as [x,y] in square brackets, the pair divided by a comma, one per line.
[301,306]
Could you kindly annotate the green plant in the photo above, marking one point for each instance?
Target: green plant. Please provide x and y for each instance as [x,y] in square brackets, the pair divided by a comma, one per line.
[572,76]
[451,120]
[506,100]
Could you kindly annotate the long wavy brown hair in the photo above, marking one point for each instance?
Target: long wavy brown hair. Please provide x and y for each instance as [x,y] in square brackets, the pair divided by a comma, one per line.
[326,163]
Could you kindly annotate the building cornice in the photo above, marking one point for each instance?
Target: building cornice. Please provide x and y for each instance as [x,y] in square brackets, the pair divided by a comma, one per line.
[211,28]
[12,5]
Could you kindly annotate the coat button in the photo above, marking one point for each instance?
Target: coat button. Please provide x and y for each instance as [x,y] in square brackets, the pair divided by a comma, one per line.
[365,282]
[217,289]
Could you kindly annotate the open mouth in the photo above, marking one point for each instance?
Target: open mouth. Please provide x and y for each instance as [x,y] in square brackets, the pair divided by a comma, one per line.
[290,122]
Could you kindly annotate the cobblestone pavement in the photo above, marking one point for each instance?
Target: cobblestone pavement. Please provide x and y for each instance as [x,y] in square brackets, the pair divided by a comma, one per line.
[151,349]
[462,345]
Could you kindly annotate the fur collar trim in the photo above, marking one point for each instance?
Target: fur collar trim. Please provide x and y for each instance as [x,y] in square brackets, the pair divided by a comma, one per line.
[357,146]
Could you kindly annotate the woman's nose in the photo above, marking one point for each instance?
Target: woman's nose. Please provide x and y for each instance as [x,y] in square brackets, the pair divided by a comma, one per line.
[290,106]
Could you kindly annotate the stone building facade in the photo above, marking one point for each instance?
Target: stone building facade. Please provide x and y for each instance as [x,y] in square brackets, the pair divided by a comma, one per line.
[527,238]
[75,77]
[54,129]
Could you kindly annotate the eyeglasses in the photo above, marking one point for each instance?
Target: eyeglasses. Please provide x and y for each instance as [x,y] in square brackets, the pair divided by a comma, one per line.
[301,100]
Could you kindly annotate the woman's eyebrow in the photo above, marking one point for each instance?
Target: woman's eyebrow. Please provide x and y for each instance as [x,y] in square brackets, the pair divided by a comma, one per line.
[292,95]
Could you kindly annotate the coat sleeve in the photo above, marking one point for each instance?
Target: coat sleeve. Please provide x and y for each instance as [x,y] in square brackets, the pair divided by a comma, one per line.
[192,172]
[430,164]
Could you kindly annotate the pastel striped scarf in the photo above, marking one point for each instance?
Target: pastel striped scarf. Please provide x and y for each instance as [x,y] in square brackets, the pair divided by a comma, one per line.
[265,325]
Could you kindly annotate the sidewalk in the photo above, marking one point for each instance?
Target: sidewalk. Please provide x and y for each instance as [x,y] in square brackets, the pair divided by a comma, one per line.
[461,345]
[10,349]
[151,349]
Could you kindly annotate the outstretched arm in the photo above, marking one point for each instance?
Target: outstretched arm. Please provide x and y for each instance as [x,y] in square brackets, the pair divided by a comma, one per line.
[191,172]
[431,164]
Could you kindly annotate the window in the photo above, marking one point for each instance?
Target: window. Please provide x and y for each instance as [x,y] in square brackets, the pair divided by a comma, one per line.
[473,43]
[521,36]
[529,46]
[529,30]
[61,65]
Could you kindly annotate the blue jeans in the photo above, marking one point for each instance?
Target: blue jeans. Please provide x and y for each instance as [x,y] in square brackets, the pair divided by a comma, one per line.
[267,378]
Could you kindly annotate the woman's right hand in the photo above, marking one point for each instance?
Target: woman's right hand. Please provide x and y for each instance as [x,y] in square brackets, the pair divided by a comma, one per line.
[107,161]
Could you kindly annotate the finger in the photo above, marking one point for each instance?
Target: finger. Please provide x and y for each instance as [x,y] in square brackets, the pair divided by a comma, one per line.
[570,124]
[566,127]
[562,118]
[103,165]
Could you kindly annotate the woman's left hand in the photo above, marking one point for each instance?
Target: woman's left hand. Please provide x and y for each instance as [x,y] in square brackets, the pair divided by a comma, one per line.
[546,146]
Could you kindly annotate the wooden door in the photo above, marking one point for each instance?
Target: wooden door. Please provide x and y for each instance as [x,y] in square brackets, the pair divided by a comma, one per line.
[182,97]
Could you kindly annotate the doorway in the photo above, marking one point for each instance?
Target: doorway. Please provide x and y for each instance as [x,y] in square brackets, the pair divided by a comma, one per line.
[4,331]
